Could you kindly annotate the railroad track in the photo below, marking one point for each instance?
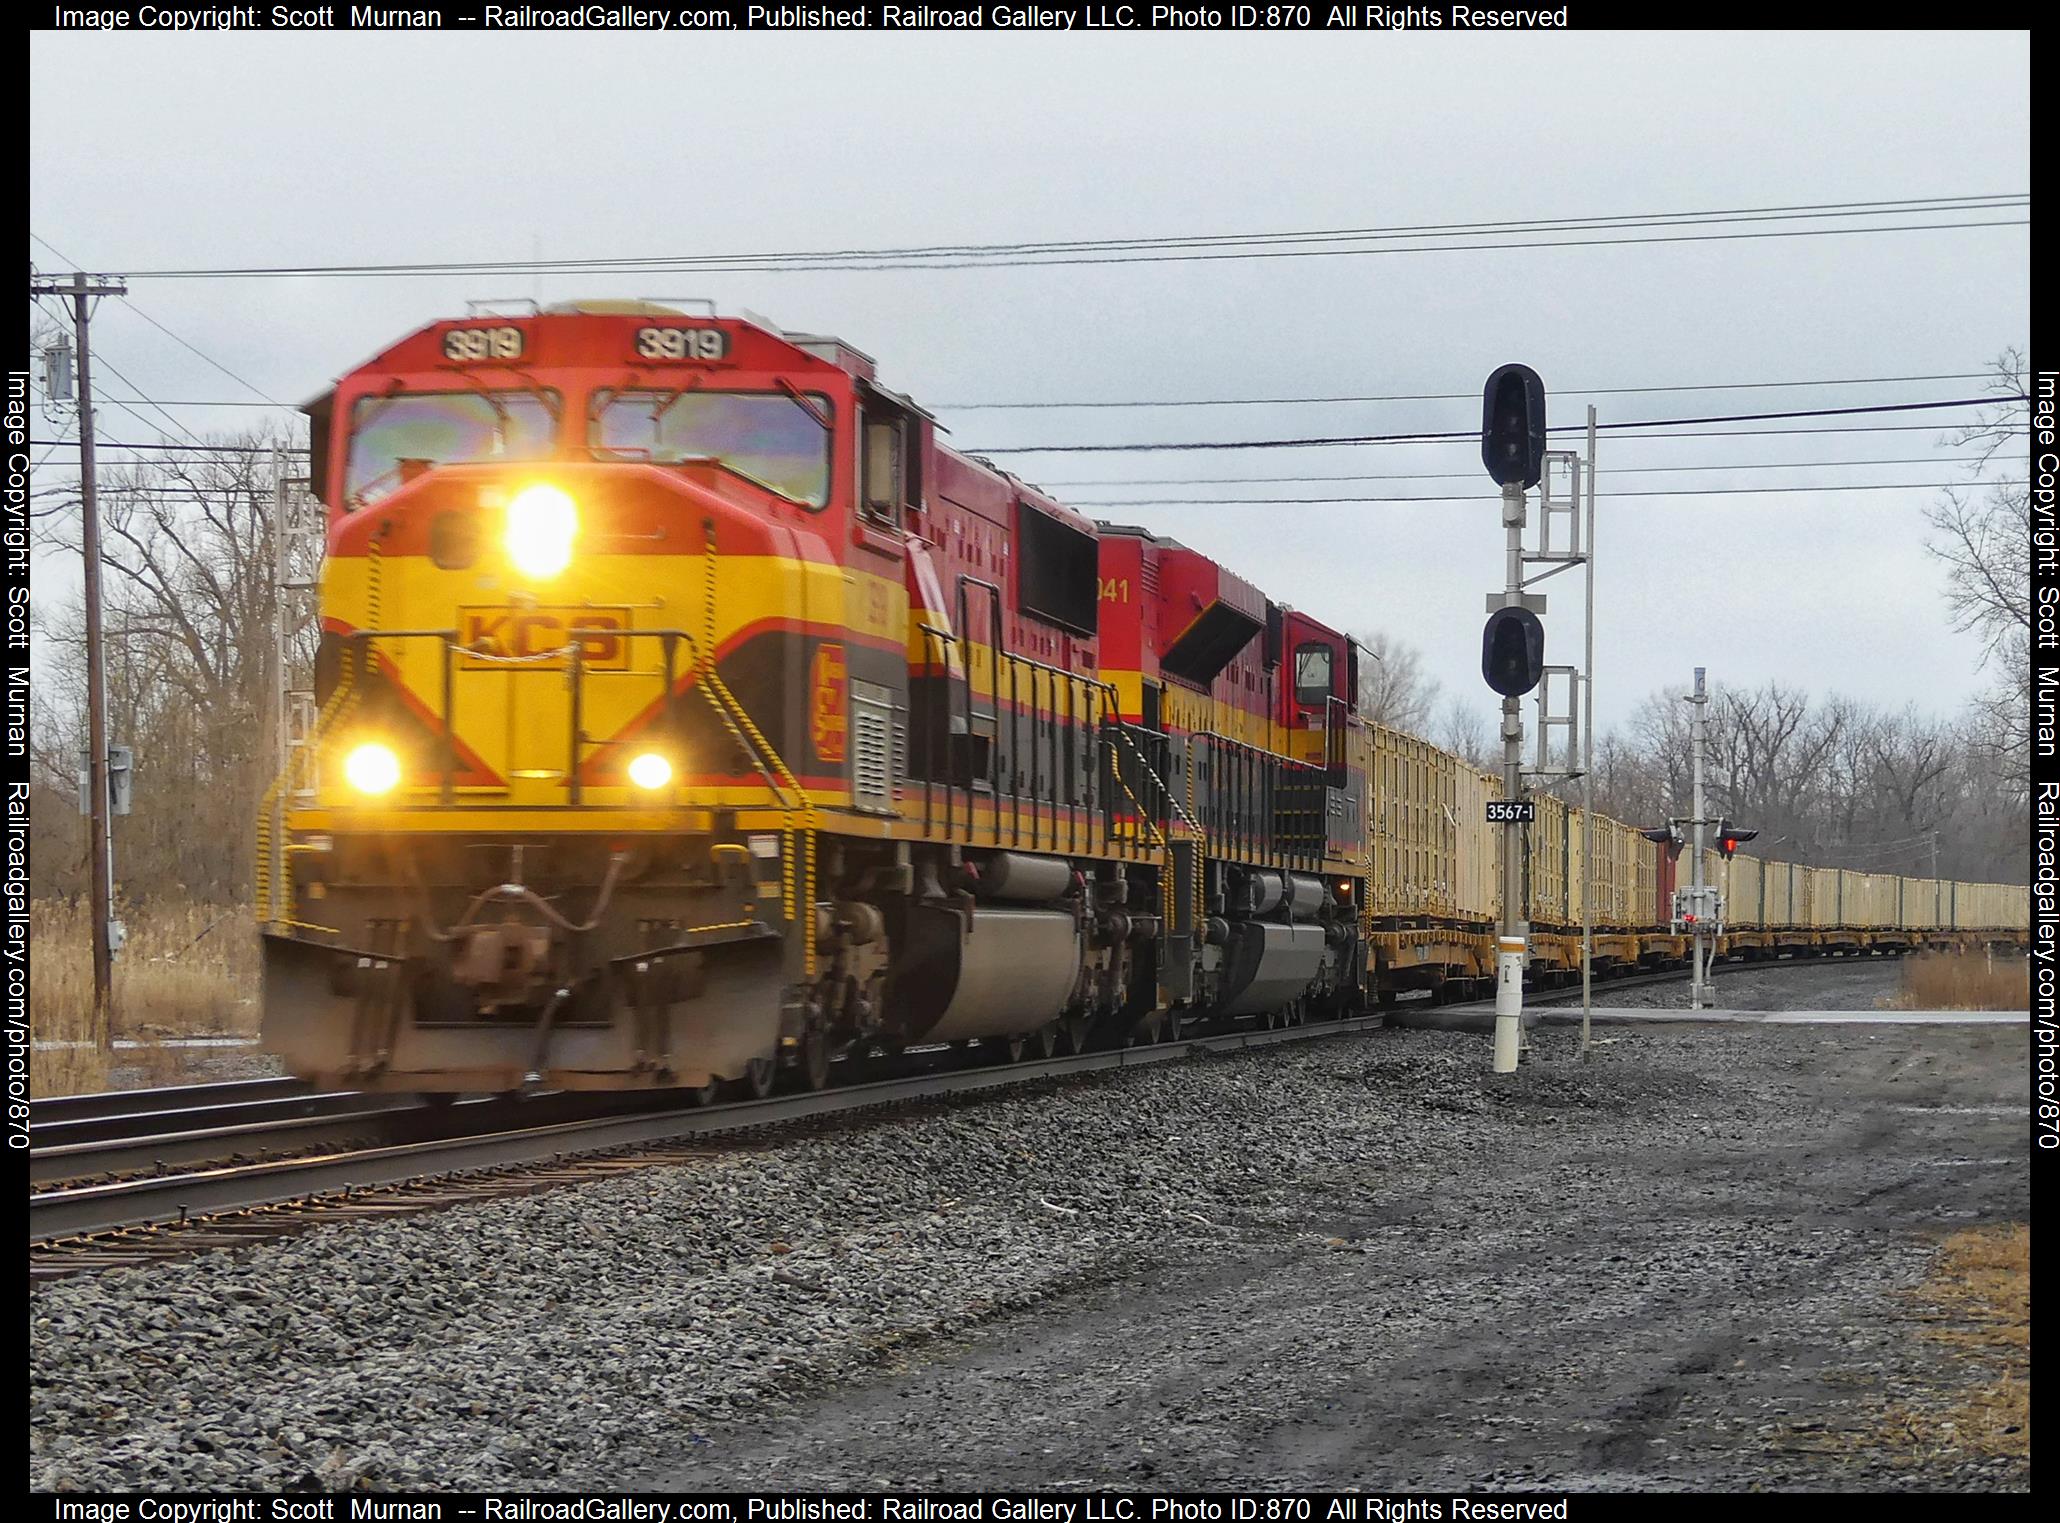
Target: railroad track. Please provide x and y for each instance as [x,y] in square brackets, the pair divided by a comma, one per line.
[165,1099]
[81,1226]
[162,1135]
[207,1172]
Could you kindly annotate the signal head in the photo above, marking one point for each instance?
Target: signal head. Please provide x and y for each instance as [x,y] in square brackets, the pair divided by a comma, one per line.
[1513,651]
[1513,426]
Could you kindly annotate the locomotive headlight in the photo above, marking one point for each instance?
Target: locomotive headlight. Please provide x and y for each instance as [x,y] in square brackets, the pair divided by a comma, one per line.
[650,771]
[372,769]
[542,522]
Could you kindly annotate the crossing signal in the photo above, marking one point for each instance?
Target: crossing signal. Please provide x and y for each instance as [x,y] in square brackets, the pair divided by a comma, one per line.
[1513,651]
[1513,426]
[1667,836]
[1730,837]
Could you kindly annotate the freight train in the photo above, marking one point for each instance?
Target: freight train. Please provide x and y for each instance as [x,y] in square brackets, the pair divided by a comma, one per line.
[687,713]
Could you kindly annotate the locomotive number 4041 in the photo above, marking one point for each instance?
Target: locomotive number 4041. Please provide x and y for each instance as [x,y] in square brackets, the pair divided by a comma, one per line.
[682,343]
[1512,811]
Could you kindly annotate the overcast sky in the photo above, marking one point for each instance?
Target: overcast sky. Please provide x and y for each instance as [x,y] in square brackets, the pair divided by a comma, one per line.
[150,151]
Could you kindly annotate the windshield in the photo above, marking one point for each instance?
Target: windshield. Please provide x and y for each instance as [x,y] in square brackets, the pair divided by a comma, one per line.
[444,428]
[769,437]
[1312,674]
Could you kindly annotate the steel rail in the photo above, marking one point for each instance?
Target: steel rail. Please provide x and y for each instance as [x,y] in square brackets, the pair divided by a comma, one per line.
[175,1097]
[51,1137]
[344,1119]
[87,1210]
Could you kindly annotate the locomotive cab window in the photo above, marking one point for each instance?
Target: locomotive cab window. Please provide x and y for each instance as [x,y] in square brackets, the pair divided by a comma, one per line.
[443,428]
[883,470]
[778,441]
[890,459]
[1312,675]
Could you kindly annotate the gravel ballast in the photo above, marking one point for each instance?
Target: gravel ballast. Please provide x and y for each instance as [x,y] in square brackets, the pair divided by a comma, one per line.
[1363,1260]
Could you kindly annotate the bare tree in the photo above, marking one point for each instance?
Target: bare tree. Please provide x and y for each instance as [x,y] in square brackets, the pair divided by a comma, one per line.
[1394,689]
[1827,781]
[189,599]
[1982,534]
[1467,733]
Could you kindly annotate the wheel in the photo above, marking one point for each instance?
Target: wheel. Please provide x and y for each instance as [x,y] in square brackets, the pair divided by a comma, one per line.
[758,1078]
[1008,1049]
[705,1094]
[1078,1031]
[815,1058]
[1047,1039]
[1171,1028]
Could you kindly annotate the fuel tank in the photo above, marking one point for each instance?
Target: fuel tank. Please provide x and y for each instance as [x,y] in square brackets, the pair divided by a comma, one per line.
[1266,965]
[993,972]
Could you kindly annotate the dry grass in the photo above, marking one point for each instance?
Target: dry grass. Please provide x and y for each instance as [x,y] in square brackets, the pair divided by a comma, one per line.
[1964,981]
[67,1071]
[1976,1301]
[187,970]
[1979,1300]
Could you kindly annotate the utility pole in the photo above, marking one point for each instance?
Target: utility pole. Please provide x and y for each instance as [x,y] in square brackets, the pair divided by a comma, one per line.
[1699,738]
[81,288]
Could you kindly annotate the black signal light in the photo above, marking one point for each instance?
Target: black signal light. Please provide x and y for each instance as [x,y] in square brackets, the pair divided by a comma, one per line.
[1513,651]
[1513,426]
[1730,837]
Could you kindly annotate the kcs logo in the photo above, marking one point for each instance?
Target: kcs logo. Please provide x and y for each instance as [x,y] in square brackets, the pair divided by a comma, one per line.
[526,632]
[829,688]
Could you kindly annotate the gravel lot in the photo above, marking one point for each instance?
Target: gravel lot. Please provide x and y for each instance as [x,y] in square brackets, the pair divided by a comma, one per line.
[1832,983]
[1364,1261]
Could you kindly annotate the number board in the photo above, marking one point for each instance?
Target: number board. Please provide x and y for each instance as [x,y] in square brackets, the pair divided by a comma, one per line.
[471,345]
[1505,812]
[682,344]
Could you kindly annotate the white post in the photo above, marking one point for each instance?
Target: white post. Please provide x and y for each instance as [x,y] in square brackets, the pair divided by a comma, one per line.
[1588,759]
[1699,735]
[1509,949]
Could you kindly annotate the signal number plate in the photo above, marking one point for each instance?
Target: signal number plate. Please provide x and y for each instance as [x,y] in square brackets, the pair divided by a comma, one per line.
[470,345]
[682,344]
[1505,812]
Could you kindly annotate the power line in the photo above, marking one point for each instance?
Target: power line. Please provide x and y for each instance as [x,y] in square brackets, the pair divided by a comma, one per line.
[1240,502]
[1414,437]
[123,403]
[1448,396]
[1423,396]
[175,338]
[289,407]
[211,449]
[1628,470]
[1186,248]
[1438,441]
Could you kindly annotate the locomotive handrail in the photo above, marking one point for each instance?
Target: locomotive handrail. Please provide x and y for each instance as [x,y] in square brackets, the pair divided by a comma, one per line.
[993,698]
[1044,678]
[573,653]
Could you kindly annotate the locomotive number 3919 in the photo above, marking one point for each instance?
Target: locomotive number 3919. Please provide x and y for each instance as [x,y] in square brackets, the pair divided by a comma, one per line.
[474,344]
[682,343]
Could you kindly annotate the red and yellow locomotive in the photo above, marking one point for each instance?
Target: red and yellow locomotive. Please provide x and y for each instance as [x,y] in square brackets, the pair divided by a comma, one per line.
[687,712]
